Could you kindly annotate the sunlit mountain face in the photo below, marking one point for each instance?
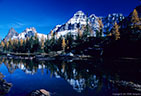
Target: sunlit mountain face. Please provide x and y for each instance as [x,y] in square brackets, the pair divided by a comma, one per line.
[77,77]
[27,33]
[80,20]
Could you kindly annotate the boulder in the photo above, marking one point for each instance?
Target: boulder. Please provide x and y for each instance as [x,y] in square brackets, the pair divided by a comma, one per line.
[4,86]
[45,92]
[1,76]
[127,85]
[41,92]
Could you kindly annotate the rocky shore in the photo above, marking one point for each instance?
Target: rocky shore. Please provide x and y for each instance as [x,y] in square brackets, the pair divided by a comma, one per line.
[127,85]
[4,86]
[41,92]
[47,57]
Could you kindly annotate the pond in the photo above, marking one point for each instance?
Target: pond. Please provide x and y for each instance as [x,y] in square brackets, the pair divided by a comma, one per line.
[69,78]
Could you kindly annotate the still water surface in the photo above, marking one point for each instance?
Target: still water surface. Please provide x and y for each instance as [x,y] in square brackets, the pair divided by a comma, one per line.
[69,78]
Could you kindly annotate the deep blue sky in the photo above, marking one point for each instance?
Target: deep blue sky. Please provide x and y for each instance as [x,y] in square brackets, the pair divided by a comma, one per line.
[45,14]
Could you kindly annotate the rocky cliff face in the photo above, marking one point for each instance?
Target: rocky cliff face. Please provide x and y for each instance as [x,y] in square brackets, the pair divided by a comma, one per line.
[109,21]
[79,20]
[4,86]
[10,34]
[28,32]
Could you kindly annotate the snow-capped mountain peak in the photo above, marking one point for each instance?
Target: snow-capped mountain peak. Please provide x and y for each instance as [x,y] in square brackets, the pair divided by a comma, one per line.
[79,17]
[10,34]
[93,16]
[110,20]
[78,20]
[79,13]
[56,28]
[32,29]
[28,32]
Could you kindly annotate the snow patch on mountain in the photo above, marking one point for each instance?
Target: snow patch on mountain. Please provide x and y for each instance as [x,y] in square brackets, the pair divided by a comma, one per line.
[29,32]
[109,21]
[11,34]
[79,20]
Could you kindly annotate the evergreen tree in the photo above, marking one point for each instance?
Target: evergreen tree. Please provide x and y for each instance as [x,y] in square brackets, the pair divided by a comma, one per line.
[21,47]
[36,44]
[7,46]
[42,43]
[31,42]
[24,46]
[70,40]
[86,31]
[10,45]
[28,46]
[11,42]
[91,32]
[46,47]
[59,43]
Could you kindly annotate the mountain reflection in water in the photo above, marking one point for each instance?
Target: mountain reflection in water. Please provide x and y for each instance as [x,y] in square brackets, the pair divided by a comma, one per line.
[86,77]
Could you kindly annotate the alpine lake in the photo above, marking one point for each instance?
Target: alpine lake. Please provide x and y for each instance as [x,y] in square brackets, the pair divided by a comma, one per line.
[94,77]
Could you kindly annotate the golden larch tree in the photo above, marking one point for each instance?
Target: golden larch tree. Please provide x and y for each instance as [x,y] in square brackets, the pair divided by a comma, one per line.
[36,35]
[42,42]
[79,33]
[21,42]
[51,34]
[16,41]
[115,31]
[2,44]
[63,66]
[68,44]
[100,26]
[135,19]
[63,43]
[100,23]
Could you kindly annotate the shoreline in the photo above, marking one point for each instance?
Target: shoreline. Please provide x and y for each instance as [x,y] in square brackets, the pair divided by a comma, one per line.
[45,57]
[56,56]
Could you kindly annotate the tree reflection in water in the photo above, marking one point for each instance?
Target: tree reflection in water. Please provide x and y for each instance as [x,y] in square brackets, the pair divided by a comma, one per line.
[79,74]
